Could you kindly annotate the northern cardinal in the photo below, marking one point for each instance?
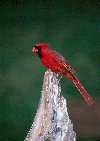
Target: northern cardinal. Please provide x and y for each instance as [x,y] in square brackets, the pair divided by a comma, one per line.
[57,63]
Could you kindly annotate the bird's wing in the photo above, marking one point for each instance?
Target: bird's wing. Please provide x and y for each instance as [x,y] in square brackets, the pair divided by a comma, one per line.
[62,62]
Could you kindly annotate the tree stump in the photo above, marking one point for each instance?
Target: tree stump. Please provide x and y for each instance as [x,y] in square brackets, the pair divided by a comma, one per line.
[51,122]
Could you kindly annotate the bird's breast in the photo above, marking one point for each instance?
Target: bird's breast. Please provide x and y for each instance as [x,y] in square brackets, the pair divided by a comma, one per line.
[47,62]
[51,64]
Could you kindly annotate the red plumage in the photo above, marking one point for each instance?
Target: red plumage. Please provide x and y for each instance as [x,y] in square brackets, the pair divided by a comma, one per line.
[57,63]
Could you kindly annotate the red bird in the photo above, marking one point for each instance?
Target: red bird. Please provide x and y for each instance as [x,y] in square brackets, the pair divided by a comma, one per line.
[57,63]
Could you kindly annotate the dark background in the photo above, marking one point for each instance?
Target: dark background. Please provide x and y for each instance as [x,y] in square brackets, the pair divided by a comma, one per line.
[71,28]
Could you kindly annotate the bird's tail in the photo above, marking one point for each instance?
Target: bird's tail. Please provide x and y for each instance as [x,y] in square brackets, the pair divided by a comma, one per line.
[81,89]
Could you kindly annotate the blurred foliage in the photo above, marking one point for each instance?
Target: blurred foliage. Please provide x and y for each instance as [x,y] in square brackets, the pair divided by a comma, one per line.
[71,28]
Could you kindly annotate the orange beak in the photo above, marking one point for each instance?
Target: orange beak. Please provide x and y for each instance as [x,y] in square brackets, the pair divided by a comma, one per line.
[34,50]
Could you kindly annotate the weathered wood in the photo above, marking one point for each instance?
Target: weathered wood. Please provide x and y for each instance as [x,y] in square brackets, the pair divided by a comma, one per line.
[52,122]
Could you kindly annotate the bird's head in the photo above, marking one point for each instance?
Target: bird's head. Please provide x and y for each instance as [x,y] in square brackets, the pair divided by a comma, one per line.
[39,46]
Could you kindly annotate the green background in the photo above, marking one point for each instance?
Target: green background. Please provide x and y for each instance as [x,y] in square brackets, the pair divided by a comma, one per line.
[71,28]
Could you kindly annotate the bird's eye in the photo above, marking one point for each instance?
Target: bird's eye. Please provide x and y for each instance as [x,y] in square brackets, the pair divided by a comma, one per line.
[37,47]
